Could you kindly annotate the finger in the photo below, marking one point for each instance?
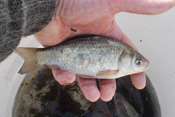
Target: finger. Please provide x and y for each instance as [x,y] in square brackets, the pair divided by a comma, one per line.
[107,89]
[89,89]
[63,77]
[142,6]
[139,80]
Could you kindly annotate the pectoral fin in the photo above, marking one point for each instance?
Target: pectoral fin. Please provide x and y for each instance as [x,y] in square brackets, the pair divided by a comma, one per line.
[108,73]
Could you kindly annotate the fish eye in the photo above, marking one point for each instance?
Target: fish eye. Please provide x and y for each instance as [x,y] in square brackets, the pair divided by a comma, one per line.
[138,61]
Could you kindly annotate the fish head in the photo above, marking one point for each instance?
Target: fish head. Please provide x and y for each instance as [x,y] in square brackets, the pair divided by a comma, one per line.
[131,63]
[139,63]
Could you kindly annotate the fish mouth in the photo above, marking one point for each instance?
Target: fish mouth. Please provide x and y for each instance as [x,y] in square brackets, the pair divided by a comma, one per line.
[147,64]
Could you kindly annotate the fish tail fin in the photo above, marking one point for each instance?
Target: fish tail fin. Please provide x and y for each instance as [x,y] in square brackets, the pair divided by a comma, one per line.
[30,60]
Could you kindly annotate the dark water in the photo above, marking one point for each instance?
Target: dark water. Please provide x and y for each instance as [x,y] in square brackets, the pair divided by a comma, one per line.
[41,96]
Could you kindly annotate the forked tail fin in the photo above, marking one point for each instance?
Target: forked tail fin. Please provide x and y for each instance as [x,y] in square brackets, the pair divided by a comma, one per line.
[30,60]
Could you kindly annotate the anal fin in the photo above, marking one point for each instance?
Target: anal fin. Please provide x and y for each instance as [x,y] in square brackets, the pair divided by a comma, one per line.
[84,76]
[108,73]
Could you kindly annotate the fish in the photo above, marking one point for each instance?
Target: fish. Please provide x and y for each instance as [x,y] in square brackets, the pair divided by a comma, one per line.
[87,56]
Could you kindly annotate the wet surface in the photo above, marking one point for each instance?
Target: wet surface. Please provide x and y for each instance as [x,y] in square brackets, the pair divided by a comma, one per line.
[41,96]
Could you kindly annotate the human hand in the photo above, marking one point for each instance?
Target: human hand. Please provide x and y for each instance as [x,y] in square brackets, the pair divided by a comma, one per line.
[77,17]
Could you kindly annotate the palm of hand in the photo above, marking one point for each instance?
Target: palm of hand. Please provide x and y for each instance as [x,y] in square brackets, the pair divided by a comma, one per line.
[95,17]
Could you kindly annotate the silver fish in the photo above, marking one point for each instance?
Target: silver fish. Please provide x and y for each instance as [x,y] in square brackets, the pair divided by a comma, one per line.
[87,57]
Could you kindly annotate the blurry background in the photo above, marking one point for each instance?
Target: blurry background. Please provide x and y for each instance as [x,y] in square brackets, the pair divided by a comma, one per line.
[154,36]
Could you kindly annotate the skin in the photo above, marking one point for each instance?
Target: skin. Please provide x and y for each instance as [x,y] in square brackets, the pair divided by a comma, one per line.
[96,17]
